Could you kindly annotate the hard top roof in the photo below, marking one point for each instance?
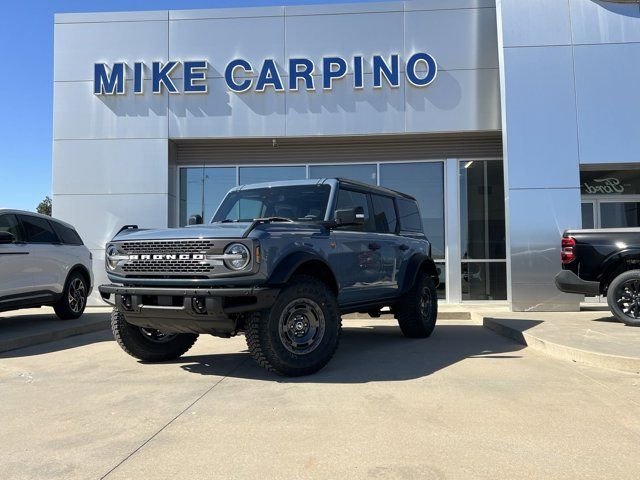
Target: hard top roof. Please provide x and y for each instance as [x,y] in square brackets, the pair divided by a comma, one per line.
[328,181]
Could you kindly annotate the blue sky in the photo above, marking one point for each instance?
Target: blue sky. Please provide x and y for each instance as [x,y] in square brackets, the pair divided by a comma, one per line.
[26,85]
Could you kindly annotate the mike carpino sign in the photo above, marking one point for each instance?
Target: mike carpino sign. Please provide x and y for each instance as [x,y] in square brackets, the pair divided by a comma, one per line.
[241,76]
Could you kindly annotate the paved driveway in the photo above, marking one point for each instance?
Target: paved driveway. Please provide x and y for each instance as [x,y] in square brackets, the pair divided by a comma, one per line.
[464,404]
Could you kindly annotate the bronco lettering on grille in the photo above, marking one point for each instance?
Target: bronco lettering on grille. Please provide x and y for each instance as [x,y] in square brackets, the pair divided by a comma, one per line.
[181,256]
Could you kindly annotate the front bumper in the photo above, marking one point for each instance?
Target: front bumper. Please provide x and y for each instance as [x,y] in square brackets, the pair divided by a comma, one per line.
[569,282]
[176,310]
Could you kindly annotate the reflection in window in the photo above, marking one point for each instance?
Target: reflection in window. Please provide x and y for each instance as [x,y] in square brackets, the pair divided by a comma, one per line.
[202,189]
[217,182]
[424,181]
[587,215]
[484,281]
[301,202]
[351,199]
[361,173]
[619,214]
[271,174]
[482,222]
[442,286]
[384,214]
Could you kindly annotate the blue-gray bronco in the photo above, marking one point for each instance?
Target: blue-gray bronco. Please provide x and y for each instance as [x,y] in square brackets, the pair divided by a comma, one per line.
[279,262]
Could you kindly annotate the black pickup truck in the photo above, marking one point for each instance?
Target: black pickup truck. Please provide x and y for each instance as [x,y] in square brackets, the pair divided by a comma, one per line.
[604,262]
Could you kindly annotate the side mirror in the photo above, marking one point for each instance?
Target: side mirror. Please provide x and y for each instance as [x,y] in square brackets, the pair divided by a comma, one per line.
[350,216]
[195,219]
[6,237]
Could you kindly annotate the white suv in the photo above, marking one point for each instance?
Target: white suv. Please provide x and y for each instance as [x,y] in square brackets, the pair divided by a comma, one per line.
[42,262]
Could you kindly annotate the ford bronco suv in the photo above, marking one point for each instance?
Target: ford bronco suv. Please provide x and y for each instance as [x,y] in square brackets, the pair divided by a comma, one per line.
[281,262]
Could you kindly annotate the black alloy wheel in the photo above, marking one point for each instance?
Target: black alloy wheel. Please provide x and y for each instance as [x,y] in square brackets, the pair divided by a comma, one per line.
[623,297]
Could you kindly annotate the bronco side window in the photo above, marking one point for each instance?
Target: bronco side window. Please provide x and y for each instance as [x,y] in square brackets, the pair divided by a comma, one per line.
[384,213]
[351,199]
[409,216]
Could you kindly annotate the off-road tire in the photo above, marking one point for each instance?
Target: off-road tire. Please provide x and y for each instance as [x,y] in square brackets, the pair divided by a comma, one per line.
[264,337]
[414,320]
[134,342]
[613,296]
[65,308]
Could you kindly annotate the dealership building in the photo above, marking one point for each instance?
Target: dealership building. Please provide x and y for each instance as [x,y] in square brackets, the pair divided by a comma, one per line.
[508,120]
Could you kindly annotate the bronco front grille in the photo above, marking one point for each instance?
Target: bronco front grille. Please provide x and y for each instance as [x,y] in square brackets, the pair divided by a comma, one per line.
[166,247]
[166,265]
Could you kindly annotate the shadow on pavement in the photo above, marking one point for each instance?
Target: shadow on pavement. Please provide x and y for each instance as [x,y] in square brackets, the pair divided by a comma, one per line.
[40,334]
[374,353]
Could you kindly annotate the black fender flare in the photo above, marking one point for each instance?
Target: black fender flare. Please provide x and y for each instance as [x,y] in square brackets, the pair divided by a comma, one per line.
[289,264]
[417,263]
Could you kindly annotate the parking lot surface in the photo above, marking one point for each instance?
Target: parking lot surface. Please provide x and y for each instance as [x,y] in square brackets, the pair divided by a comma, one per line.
[465,403]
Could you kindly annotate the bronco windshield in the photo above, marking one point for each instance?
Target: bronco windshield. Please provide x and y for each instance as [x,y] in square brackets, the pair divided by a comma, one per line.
[295,202]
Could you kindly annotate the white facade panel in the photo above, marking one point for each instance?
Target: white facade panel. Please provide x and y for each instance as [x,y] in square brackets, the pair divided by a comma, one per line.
[110,166]
[221,40]
[540,111]
[98,217]
[604,22]
[460,100]
[608,95]
[537,221]
[342,9]
[99,17]
[247,12]
[535,22]
[458,39]
[107,42]
[366,34]
[345,110]
[411,5]
[221,113]
[79,114]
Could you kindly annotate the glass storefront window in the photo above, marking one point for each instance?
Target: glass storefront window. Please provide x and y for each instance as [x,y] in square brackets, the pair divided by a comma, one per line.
[484,281]
[619,214]
[361,173]
[217,182]
[610,182]
[482,222]
[442,276]
[424,181]
[482,230]
[191,189]
[271,174]
[587,215]
[202,189]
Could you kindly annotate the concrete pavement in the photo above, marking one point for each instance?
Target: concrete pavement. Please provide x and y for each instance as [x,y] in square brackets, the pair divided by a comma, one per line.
[463,404]
[592,336]
[33,326]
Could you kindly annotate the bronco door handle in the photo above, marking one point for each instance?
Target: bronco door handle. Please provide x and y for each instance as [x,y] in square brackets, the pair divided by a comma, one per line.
[374,246]
[404,247]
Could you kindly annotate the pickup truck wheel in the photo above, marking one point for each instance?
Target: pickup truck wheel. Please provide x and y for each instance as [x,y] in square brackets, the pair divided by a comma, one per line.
[623,297]
[417,310]
[147,344]
[299,334]
[74,298]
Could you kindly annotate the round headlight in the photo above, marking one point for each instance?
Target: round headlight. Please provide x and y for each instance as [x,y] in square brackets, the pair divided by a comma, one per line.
[237,256]
[112,255]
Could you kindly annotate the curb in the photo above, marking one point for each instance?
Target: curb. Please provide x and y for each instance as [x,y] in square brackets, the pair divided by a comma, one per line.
[53,335]
[558,351]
